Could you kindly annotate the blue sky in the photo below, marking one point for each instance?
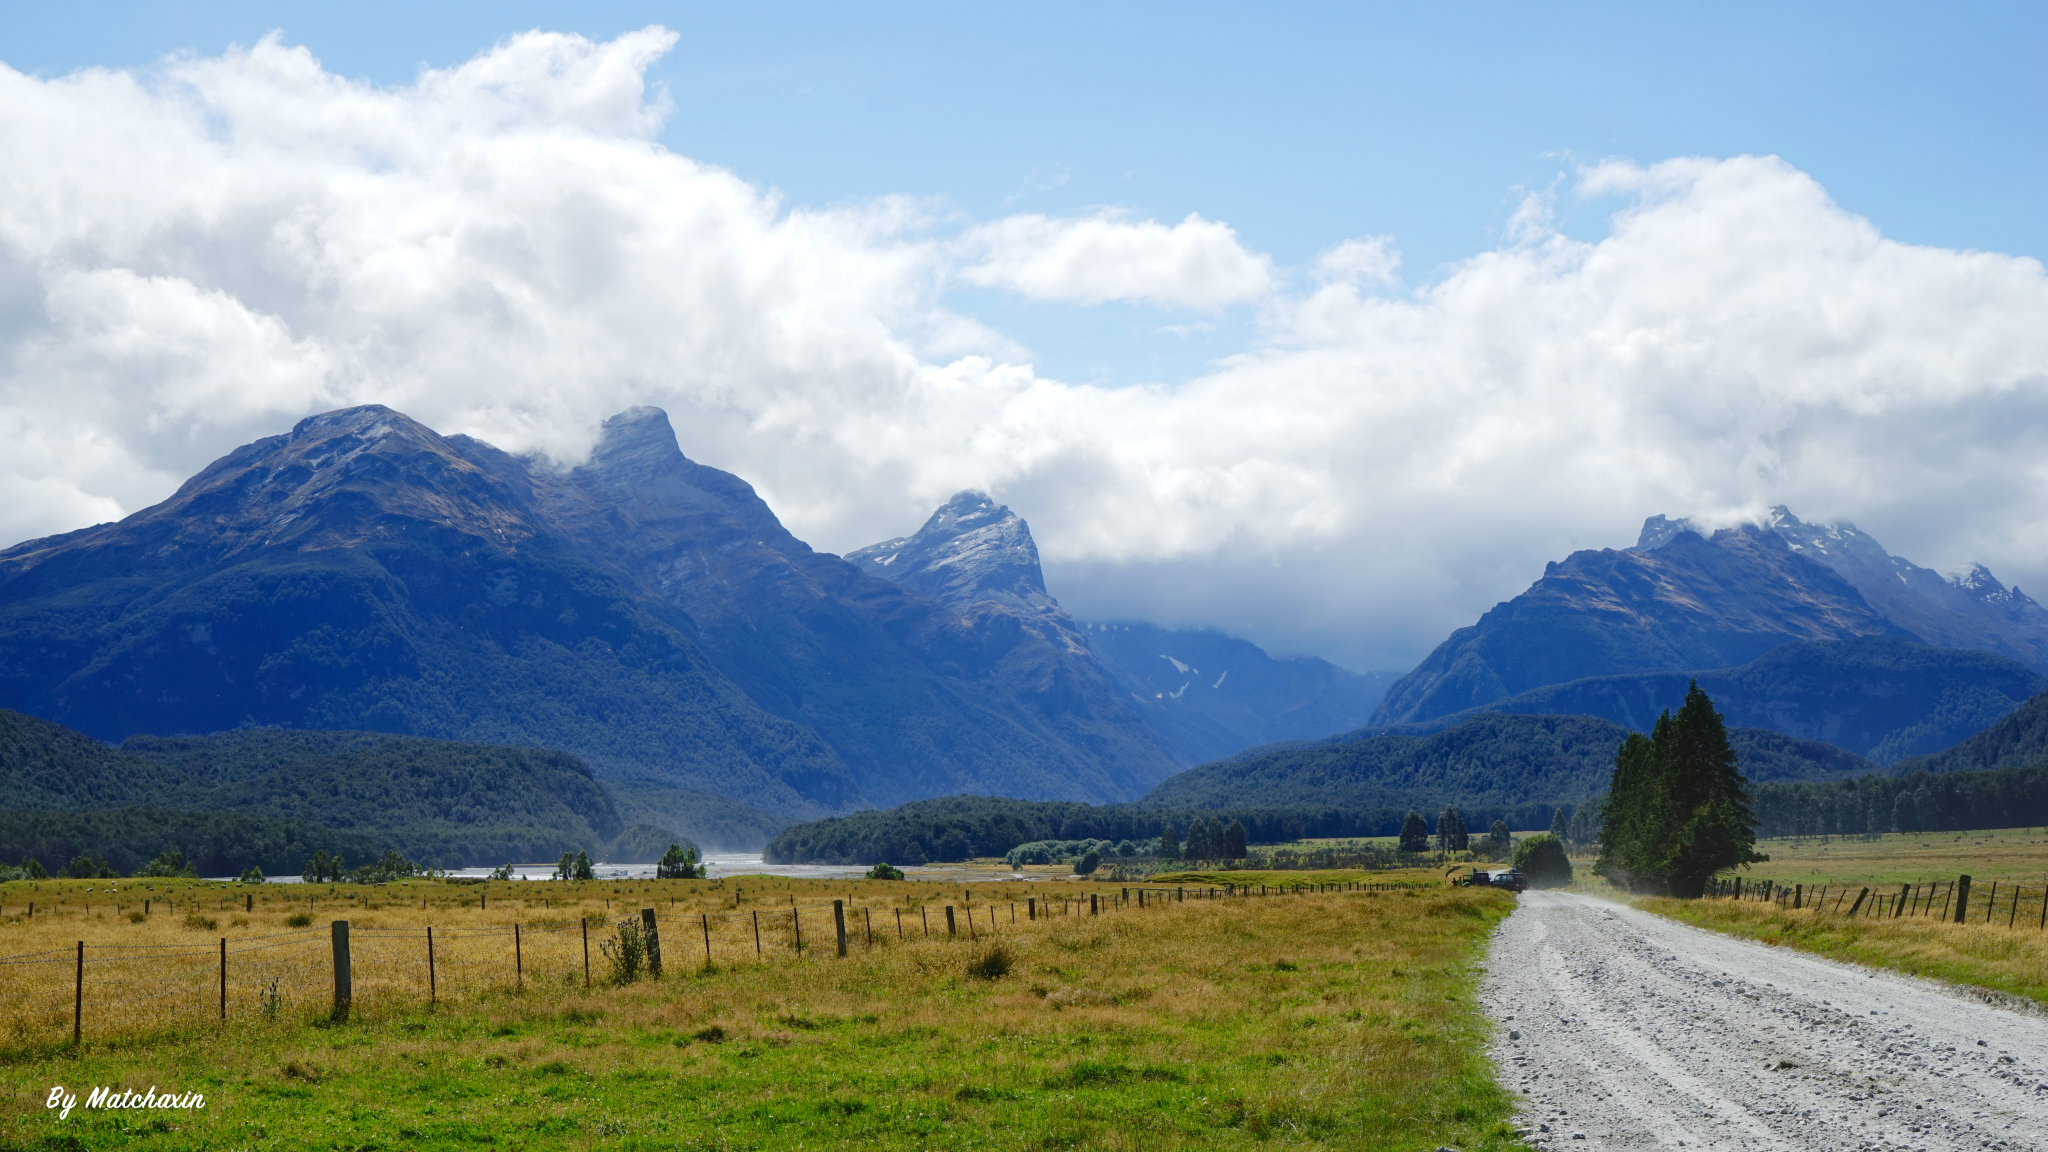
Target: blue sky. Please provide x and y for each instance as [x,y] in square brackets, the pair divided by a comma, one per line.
[1325,325]
[1299,125]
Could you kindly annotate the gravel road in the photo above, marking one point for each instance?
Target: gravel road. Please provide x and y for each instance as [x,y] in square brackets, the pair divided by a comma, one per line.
[1626,1030]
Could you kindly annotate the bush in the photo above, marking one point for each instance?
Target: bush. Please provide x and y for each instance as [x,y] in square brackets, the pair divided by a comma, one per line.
[993,964]
[1542,861]
[252,875]
[1088,863]
[883,871]
[298,920]
[626,950]
[201,923]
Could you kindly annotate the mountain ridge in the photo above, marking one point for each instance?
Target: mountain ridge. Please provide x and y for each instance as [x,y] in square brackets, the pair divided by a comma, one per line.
[1683,600]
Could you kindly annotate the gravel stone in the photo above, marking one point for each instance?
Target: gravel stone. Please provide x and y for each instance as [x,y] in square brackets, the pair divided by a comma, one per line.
[1669,1035]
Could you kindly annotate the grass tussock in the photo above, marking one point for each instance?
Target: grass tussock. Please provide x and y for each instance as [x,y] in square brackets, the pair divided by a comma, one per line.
[1326,1021]
[2013,961]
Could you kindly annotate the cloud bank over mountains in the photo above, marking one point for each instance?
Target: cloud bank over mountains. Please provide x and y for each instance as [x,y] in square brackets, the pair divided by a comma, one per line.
[197,256]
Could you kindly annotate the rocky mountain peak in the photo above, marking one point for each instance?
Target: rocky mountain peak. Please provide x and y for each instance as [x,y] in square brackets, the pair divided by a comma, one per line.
[636,441]
[971,549]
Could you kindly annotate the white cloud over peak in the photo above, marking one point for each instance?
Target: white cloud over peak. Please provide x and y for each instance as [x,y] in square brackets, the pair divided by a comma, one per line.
[195,258]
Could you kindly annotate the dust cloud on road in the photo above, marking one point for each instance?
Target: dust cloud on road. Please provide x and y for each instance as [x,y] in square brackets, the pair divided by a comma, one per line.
[1626,1030]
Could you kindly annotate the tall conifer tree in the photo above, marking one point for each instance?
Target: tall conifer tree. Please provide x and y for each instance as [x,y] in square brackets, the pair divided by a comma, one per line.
[1679,808]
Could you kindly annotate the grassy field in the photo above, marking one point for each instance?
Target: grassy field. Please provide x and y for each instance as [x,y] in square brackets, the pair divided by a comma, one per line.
[1987,955]
[1339,1019]
[1984,955]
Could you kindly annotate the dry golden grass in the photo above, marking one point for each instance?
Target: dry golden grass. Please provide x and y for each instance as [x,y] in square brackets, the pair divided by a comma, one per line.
[1338,1019]
[1984,955]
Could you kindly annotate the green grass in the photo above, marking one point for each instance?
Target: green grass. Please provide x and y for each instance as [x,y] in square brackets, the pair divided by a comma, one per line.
[1338,1020]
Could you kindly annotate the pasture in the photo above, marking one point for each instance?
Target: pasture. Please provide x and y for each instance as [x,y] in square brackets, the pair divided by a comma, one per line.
[1339,1018]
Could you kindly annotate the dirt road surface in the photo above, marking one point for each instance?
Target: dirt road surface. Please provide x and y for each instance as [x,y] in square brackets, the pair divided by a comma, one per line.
[1626,1030]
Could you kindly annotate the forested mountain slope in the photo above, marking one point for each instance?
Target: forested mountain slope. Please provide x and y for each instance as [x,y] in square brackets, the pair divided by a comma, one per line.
[1878,697]
[441,803]
[644,613]
[1490,759]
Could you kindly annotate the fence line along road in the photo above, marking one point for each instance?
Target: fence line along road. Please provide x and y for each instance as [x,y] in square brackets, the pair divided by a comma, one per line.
[2011,906]
[157,987]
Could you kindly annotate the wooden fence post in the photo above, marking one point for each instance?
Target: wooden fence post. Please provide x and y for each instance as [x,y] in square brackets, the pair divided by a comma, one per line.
[757,935]
[867,917]
[653,934]
[1962,898]
[1899,905]
[1859,901]
[1798,896]
[434,990]
[1031,908]
[518,961]
[344,990]
[1092,908]
[586,949]
[223,977]
[706,918]
[1991,905]
[78,998]
[839,922]
[949,921]
[796,926]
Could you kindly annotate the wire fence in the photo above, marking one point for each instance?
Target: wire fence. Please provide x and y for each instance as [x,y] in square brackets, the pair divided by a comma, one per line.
[100,990]
[2012,906]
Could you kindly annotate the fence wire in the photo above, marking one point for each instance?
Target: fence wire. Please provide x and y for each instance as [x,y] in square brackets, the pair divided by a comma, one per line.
[92,989]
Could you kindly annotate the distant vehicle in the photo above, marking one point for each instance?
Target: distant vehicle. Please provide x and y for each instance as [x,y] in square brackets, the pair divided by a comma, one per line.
[1509,878]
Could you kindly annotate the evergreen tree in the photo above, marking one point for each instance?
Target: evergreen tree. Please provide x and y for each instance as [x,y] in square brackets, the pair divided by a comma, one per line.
[1414,832]
[1169,842]
[565,869]
[1233,841]
[1450,830]
[679,863]
[1498,838]
[1679,810]
[585,870]
[1561,823]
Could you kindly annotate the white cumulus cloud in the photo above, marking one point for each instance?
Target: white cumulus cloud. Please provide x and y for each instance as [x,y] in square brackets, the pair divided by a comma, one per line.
[1196,263]
[200,255]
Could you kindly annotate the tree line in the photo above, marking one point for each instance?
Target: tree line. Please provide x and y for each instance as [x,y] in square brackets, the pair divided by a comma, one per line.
[954,828]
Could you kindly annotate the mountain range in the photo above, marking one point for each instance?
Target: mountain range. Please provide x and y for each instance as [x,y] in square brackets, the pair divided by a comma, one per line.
[1203,694]
[642,612]
[1878,696]
[1682,599]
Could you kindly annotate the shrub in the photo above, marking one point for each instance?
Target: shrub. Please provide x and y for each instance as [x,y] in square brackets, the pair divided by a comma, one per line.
[201,923]
[299,920]
[992,964]
[1088,863]
[252,875]
[1542,861]
[883,871]
[626,950]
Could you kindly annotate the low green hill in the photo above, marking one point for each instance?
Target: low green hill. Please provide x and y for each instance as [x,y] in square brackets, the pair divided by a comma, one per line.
[441,803]
[2018,740]
[1491,759]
